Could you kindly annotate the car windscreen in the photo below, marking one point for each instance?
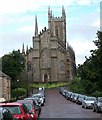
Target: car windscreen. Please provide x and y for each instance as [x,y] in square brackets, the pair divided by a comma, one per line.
[90,99]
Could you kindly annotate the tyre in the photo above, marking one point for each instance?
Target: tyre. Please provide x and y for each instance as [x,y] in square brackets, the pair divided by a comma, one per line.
[82,106]
[97,110]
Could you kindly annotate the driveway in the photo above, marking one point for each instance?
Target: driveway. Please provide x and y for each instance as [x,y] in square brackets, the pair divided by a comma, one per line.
[57,106]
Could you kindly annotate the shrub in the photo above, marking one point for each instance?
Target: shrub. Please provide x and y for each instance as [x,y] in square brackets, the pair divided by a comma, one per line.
[19,92]
[97,94]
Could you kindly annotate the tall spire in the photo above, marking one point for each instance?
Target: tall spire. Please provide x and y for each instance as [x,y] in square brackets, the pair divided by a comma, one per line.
[36,27]
[49,10]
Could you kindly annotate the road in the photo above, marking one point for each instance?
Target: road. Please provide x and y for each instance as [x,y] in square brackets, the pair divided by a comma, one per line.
[57,106]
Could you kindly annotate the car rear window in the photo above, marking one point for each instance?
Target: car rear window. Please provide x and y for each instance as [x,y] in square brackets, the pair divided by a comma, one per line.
[13,109]
[25,108]
[29,105]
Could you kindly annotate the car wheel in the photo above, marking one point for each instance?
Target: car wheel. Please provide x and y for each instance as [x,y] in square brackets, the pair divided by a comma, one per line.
[82,106]
[43,104]
[97,110]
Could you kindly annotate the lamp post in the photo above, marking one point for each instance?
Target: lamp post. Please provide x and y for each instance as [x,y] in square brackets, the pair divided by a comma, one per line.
[27,83]
[17,89]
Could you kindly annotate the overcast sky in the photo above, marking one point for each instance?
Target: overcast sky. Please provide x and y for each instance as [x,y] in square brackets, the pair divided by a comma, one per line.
[17,23]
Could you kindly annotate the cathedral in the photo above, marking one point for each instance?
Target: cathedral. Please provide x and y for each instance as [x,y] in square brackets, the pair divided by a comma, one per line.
[51,59]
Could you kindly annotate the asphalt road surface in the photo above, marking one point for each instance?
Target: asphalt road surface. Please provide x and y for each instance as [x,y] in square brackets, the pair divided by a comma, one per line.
[57,106]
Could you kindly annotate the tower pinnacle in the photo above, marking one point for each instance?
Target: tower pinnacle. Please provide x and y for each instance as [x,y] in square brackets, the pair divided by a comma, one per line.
[23,50]
[63,11]
[36,27]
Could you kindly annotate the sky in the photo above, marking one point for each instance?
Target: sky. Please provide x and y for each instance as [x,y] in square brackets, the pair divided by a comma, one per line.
[17,23]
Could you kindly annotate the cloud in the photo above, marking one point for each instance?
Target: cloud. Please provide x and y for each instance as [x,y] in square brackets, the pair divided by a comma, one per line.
[96,23]
[14,41]
[17,6]
[26,29]
[87,2]
[82,49]
[84,2]
[21,6]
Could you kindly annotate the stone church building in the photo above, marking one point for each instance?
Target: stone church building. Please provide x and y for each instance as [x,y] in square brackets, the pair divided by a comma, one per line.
[51,59]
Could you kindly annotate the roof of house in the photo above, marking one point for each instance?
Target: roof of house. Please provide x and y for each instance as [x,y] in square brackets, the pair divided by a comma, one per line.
[4,75]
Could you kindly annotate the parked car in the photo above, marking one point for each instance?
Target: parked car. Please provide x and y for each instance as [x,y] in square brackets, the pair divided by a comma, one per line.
[19,111]
[71,96]
[79,99]
[68,94]
[97,106]
[75,97]
[64,92]
[36,108]
[36,104]
[40,98]
[41,88]
[42,94]
[5,114]
[88,102]
[35,99]
[29,104]
[61,90]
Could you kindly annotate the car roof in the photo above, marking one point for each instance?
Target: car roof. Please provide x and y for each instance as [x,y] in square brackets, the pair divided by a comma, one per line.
[30,98]
[24,101]
[10,104]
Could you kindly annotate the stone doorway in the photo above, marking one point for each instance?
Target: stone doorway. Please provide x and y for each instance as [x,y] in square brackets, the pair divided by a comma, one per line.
[45,78]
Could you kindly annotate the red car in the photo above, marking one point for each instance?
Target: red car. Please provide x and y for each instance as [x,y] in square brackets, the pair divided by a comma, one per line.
[19,111]
[29,104]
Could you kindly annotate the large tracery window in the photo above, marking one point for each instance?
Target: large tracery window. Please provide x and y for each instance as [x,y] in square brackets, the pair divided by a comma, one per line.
[45,58]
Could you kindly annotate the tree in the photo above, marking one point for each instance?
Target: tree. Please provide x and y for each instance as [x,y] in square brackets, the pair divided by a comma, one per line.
[13,64]
[91,70]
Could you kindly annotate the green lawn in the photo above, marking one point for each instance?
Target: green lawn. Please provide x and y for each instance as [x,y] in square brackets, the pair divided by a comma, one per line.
[48,85]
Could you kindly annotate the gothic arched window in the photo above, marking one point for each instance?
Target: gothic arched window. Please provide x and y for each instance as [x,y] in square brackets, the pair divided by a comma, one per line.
[28,66]
[62,66]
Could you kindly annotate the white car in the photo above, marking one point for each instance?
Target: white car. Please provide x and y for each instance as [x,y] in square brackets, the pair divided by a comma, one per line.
[40,98]
[88,102]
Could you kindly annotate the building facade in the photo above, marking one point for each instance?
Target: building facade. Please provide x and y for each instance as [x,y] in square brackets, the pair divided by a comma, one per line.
[5,86]
[50,59]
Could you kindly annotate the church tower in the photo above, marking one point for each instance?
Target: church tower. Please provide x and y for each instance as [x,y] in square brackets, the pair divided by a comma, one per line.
[57,25]
[49,58]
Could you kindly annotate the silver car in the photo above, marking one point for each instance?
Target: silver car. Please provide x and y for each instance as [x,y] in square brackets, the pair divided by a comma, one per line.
[40,98]
[97,106]
[88,102]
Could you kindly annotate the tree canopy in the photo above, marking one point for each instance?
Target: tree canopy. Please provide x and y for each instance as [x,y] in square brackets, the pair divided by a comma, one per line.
[90,71]
[13,64]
